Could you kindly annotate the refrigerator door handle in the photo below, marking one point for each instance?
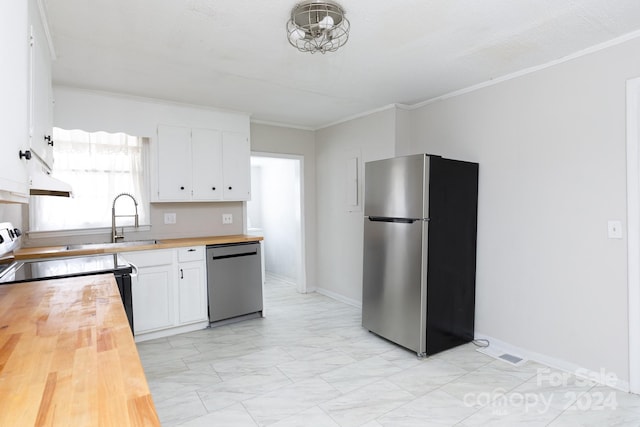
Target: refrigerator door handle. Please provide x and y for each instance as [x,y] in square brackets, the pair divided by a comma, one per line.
[397,220]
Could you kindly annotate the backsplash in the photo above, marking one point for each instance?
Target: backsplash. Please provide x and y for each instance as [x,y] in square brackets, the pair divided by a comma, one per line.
[192,220]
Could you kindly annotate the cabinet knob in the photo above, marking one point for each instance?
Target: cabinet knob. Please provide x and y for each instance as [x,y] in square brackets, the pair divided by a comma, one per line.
[48,139]
[181,274]
[26,154]
[182,188]
[230,188]
[213,188]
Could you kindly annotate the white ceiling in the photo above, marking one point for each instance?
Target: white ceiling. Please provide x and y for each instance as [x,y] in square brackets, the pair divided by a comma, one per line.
[234,54]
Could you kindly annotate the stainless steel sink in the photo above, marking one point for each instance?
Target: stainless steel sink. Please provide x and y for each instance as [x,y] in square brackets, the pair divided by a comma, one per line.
[81,246]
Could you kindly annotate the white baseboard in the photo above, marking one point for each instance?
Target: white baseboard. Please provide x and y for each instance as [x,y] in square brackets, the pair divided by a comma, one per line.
[552,362]
[171,331]
[274,276]
[339,297]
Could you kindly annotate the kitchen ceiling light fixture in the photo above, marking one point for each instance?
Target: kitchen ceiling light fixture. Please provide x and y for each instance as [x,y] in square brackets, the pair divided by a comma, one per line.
[317,26]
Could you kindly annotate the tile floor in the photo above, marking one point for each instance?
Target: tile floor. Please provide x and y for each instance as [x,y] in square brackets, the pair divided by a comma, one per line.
[310,363]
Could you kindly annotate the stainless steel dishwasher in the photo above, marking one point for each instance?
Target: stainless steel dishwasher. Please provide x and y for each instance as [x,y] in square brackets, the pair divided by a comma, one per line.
[234,280]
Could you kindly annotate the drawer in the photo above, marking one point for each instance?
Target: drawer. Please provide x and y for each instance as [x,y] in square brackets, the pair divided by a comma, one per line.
[149,258]
[191,253]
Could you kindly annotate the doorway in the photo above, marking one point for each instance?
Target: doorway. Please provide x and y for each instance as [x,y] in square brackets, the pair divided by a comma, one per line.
[276,212]
[633,230]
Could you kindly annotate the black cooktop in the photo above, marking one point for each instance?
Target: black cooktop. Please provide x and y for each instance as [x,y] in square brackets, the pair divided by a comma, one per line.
[26,271]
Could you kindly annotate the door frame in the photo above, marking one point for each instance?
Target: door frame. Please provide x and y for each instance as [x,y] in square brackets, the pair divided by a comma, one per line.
[301,286]
[633,230]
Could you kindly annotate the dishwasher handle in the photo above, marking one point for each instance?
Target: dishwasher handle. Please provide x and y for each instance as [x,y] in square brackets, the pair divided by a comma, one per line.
[241,254]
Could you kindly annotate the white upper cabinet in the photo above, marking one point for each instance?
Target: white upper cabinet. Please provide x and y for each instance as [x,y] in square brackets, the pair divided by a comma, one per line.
[201,165]
[14,49]
[40,90]
[174,163]
[237,166]
[206,146]
[26,104]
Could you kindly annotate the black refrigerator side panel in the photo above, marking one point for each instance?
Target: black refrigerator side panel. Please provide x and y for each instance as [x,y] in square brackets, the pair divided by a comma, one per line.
[451,270]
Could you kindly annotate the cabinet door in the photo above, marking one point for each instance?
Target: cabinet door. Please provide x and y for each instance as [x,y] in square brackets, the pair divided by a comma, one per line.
[174,163]
[206,154]
[152,292]
[14,49]
[40,91]
[236,167]
[192,292]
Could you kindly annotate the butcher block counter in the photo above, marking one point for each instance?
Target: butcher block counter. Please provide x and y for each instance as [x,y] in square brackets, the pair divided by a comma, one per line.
[109,248]
[67,356]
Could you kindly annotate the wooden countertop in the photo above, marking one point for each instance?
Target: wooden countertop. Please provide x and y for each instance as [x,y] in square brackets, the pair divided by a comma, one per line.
[67,356]
[108,248]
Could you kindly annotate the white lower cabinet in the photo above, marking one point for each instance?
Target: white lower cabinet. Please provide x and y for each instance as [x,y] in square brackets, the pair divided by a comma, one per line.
[192,285]
[169,291]
[153,299]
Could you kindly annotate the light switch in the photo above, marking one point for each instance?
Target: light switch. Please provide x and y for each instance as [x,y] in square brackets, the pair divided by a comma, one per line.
[170,218]
[227,218]
[614,229]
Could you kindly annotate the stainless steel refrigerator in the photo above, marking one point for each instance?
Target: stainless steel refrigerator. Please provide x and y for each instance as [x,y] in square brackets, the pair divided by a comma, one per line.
[420,251]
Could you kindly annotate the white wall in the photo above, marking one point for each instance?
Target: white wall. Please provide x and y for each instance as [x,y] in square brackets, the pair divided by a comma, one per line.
[551,148]
[340,232]
[94,111]
[274,139]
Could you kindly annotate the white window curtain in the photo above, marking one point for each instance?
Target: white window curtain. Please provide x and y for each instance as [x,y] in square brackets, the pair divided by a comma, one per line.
[98,166]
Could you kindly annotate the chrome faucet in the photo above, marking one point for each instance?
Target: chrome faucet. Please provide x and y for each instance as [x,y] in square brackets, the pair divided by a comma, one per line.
[114,235]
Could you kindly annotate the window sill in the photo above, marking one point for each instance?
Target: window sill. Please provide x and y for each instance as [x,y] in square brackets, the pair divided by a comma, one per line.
[82,232]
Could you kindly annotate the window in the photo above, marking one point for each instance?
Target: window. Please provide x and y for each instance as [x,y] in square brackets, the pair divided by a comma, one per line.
[98,166]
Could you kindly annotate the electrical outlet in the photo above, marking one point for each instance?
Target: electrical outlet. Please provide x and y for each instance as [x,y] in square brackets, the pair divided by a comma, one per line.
[169,218]
[227,218]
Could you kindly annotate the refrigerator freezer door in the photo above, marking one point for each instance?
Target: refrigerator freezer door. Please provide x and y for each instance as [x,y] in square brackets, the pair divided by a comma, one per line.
[396,188]
[393,300]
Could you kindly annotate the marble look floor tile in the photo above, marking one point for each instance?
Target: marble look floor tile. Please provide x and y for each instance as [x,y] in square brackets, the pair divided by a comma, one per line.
[465,357]
[601,406]
[509,414]
[161,356]
[552,388]
[368,346]
[428,375]
[401,357]
[315,364]
[360,373]
[433,409]
[180,409]
[215,351]
[160,344]
[484,381]
[231,416]
[366,403]
[164,369]
[525,371]
[310,363]
[289,400]
[250,363]
[183,382]
[242,388]
[315,417]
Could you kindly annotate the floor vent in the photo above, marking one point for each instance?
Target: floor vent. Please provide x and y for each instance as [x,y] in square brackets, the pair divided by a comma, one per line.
[502,355]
